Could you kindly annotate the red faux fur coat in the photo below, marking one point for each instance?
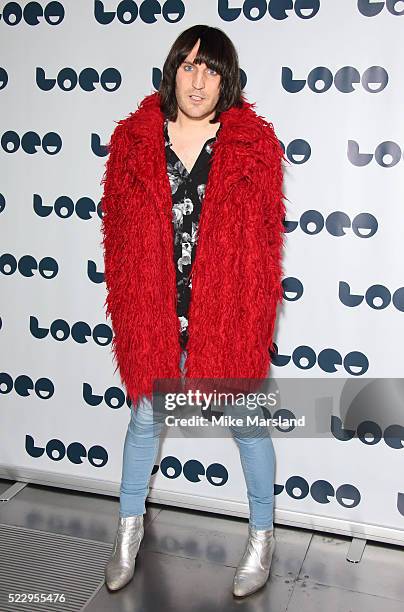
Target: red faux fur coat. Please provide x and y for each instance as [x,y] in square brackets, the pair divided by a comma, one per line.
[237,272]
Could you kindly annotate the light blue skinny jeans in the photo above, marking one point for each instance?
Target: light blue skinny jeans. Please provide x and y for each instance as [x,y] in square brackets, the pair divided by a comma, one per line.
[142,443]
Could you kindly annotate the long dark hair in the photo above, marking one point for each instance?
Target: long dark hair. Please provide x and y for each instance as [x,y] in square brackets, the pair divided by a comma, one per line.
[217,51]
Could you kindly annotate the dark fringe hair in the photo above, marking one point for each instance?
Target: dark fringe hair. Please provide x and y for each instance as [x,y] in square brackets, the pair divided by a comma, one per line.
[217,51]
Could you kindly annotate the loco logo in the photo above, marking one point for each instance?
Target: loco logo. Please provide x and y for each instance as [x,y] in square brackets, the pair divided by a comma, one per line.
[32,13]
[400,503]
[128,11]
[80,332]
[298,151]
[363,225]
[193,470]
[372,410]
[67,79]
[305,358]
[114,397]
[3,78]
[320,79]
[47,266]
[292,289]
[254,10]
[321,491]
[97,148]
[64,207]
[369,433]
[370,8]
[377,297]
[23,385]
[51,143]
[388,149]
[75,452]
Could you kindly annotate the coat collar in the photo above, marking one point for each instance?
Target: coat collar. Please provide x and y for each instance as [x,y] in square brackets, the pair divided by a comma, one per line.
[240,145]
[240,126]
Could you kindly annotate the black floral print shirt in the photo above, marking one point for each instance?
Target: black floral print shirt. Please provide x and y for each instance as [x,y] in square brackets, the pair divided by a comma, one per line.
[188,190]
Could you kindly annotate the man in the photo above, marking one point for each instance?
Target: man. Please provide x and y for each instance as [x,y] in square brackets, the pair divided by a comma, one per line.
[192,235]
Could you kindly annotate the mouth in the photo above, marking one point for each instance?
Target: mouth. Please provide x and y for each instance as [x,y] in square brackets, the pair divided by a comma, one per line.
[196,98]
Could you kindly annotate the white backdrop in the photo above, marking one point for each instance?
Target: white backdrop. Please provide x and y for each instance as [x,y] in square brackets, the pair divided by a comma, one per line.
[329,76]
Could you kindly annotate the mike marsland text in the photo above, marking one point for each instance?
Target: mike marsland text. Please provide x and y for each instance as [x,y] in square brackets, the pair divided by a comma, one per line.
[228,420]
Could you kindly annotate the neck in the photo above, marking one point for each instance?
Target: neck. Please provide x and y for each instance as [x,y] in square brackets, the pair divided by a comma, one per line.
[195,125]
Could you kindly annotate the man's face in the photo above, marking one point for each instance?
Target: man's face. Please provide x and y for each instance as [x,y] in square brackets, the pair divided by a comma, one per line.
[197,87]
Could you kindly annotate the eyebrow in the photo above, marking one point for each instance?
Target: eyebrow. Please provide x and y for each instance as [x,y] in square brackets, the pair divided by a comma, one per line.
[193,64]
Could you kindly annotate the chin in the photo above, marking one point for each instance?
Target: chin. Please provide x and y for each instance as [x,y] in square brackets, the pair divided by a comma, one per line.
[202,109]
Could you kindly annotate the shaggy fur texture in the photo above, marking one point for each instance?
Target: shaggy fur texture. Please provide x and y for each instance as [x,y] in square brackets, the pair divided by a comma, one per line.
[237,272]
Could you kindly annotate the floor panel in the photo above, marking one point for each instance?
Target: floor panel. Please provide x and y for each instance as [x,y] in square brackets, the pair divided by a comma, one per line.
[187,559]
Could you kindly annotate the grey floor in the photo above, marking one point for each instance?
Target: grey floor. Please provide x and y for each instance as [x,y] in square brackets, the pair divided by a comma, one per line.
[187,559]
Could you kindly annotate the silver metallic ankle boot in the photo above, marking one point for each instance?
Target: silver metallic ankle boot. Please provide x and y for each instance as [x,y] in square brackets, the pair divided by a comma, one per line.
[253,570]
[121,566]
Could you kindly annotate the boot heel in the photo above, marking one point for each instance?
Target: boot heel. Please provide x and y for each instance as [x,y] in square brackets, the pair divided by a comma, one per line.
[121,565]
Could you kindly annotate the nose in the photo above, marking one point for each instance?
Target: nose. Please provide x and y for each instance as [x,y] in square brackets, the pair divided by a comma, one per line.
[198,80]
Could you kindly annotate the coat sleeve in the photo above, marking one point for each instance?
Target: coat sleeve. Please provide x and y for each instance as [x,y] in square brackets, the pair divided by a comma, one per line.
[274,212]
[116,181]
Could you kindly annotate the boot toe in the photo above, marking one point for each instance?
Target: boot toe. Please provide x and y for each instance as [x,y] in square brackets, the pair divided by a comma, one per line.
[117,576]
[245,584]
